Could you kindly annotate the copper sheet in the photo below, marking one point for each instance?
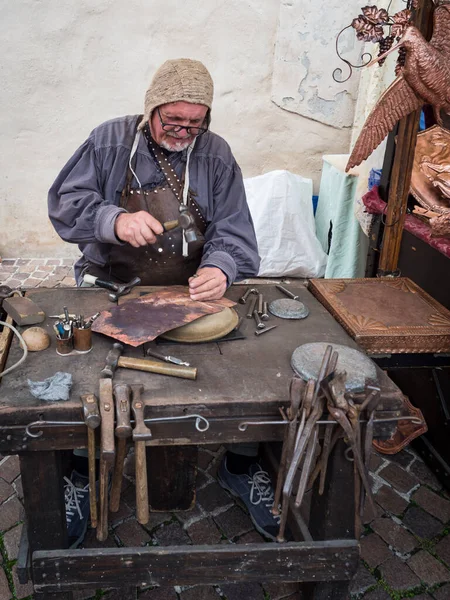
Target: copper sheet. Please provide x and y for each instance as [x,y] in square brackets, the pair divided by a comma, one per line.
[142,319]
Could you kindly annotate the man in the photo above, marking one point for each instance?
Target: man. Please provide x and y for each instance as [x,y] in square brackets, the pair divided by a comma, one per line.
[130,176]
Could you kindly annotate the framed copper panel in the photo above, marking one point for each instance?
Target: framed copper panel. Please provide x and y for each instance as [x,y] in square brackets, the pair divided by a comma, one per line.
[386,315]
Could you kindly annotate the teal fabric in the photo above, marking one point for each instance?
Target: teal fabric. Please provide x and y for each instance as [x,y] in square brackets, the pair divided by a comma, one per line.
[349,245]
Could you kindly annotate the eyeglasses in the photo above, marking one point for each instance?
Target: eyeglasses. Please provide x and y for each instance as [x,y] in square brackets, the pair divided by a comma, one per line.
[176,128]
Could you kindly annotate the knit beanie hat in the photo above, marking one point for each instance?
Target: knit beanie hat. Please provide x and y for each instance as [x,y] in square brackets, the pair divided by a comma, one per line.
[178,80]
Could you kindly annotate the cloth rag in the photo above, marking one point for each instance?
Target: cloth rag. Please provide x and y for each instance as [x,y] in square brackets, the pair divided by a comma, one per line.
[53,388]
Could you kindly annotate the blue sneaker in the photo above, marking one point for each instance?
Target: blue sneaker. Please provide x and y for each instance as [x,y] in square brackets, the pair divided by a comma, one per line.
[76,495]
[256,491]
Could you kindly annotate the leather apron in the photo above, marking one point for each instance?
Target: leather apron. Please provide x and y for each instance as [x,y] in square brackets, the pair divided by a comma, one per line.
[161,263]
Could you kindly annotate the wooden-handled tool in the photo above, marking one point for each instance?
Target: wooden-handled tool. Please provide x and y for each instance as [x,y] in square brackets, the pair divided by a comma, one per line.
[106,453]
[141,433]
[123,431]
[91,416]
[114,360]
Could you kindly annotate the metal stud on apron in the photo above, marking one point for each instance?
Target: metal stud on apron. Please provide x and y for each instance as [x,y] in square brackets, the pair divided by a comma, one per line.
[165,262]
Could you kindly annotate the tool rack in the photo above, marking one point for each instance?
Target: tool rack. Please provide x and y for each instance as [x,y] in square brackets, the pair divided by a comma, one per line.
[240,389]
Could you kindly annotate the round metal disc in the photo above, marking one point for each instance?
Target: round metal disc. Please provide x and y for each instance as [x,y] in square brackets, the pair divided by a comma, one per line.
[205,329]
[306,361]
[286,308]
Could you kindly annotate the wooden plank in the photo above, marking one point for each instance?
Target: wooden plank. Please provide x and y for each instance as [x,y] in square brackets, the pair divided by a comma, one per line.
[43,497]
[401,172]
[5,341]
[333,516]
[335,560]
[171,477]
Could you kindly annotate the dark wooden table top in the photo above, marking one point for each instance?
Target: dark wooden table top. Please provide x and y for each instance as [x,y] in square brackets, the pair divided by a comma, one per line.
[246,376]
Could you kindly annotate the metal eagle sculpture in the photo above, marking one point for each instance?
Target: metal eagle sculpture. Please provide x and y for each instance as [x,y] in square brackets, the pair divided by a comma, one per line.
[424,79]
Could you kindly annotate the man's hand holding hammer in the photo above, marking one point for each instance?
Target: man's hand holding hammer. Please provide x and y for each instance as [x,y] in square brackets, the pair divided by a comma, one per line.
[138,229]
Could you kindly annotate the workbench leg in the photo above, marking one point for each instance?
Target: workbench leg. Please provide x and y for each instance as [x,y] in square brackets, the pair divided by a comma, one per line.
[171,473]
[333,517]
[43,496]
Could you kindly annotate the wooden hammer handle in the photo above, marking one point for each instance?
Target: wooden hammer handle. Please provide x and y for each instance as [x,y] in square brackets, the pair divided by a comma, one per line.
[154,366]
[142,510]
[116,486]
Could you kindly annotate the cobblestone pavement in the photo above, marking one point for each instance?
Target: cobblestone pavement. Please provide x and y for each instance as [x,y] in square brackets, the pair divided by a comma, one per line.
[405,548]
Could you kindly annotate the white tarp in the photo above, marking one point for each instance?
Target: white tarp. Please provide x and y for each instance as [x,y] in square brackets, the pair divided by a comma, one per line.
[281,207]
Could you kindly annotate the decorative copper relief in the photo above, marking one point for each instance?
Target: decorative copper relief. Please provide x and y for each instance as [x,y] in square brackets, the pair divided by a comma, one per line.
[386,315]
[424,78]
[430,179]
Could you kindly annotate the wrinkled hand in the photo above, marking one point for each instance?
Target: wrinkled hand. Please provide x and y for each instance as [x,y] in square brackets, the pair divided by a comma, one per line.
[210,283]
[138,229]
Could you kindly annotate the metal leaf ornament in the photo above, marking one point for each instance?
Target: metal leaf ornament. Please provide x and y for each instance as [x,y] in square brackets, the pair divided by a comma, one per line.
[423,78]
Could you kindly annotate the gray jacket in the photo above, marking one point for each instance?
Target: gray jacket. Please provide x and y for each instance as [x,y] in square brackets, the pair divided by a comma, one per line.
[83,202]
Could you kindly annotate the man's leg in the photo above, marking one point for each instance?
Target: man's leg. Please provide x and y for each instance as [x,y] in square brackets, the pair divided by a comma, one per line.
[241,474]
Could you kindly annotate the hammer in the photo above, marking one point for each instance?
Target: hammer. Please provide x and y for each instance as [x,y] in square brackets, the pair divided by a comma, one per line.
[92,419]
[185,221]
[106,453]
[117,289]
[123,431]
[114,360]
[141,433]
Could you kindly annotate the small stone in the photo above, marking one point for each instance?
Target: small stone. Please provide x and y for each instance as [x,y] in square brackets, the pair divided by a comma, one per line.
[68,282]
[31,282]
[234,522]
[131,533]
[11,539]
[443,550]
[433,504]
[394,535]
[213,497]
[428,569]
[388,499]
[443,593]
[252,537]
[200,592]
[403,458]
[17,484]
[398,575]
[6,490]
[204,459]
[204,532]
[187,517]
[171,535]
[373,550]
[22,591]
[375,461]
[5,592]
[400,479]
[11,512]
[247,590]
[91,541]
[377,594]
[159,593]
[421,523]
[362,581]
[10,468]
[278,590]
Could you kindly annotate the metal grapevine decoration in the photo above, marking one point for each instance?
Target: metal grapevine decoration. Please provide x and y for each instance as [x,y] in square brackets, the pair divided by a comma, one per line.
[424,77]
[377,26]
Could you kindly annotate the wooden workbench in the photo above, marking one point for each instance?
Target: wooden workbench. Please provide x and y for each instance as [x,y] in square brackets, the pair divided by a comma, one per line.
[240,380]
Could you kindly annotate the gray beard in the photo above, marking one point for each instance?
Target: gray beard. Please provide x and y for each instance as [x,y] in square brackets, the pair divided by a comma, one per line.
[176,146]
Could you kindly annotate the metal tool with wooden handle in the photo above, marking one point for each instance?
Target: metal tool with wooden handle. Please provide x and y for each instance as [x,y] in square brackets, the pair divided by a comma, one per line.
[123,431]
[141,433]
[114,360]
[106,453]
[91,416]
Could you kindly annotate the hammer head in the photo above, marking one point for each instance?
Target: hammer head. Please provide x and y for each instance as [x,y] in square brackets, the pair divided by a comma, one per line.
[111,361]
[186,222]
